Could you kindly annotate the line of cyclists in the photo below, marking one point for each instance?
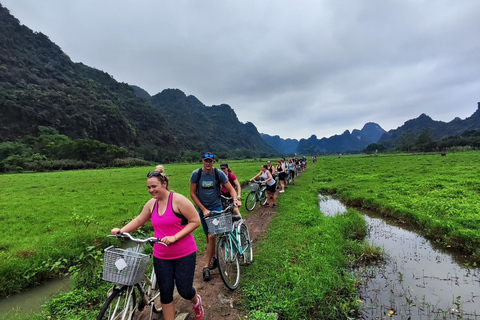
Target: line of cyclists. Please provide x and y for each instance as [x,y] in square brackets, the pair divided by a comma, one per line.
[284,172]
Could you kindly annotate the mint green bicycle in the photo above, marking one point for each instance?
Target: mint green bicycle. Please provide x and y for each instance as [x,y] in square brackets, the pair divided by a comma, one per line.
[233,244]
[258,194]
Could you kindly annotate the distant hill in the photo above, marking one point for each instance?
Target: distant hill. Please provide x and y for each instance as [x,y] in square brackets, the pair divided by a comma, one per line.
[209,127]
[41,86]
[355,141]
[282,146]
[436,129]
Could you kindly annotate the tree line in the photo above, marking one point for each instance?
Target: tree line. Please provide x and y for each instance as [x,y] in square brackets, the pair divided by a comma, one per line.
[423,142]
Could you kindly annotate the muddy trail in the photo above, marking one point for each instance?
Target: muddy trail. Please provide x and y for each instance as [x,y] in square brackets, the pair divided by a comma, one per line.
[218,301]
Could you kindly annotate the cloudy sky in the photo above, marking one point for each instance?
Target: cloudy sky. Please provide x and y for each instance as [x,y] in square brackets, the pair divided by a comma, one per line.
[293,68]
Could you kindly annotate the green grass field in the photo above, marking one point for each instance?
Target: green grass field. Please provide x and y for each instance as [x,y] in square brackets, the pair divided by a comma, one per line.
[301,265]
[48,219]
[439,195]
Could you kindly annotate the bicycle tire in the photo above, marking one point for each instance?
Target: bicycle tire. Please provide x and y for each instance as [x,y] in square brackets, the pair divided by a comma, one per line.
[246,242]
[263,197]
[228,262]
[250,201]
[120,305]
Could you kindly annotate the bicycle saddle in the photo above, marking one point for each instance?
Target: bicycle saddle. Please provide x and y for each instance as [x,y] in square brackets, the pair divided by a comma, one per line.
[236,217]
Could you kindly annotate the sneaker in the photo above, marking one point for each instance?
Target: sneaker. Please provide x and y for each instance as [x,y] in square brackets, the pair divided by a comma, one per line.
[206,274]
[213,264]
[274,206]
[281,191]
[266,204]
[198,309]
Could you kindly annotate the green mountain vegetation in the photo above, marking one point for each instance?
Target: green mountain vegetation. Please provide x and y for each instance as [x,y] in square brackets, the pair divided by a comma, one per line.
[426,135]
[355,141]
[41,87]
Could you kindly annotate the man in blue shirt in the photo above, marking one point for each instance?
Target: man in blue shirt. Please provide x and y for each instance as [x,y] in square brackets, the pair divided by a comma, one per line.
[205,192]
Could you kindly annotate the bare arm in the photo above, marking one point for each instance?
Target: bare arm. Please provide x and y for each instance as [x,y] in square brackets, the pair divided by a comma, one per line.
[258,175]
[269,176]
[139,220]
[239,189]
[193,195]
[233,193]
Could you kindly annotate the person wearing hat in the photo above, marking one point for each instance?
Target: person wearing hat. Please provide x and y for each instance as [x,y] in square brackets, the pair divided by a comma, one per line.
[234,182]
[205,191]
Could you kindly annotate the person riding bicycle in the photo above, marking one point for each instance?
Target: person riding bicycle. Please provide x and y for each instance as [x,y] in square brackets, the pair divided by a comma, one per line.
[270,182]
[205,184]
[173,218]
[234,182]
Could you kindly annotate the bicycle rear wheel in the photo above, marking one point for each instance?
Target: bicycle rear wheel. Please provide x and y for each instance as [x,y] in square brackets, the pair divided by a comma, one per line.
[246,244]
[120,305]
[250,201]
[263,197]
[228,264]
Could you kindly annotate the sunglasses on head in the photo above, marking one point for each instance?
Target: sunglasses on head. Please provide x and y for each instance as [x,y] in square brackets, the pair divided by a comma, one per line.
[208,155]
[155,174]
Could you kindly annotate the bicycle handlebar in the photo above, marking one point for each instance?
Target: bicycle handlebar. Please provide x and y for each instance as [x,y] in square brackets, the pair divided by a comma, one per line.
[137,240]
[226,210]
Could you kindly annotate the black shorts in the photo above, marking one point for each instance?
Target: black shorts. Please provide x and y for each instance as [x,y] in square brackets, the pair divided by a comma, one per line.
[281,175]
[272,188]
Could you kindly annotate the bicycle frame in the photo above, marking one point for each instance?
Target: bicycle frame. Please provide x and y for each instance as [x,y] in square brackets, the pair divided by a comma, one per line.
[147,288]
[259,192]
[234,238]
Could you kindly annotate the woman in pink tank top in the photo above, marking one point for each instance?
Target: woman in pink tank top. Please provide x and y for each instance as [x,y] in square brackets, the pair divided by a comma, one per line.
[174,218]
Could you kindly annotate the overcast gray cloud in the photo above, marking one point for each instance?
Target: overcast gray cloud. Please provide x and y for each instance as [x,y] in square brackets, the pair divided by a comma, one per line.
[293,68]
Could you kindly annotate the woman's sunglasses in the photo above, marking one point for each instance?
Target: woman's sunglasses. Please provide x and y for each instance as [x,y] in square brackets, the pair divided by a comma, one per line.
[155,174]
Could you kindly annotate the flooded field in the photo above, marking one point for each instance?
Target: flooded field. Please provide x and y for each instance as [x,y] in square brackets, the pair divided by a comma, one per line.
[418,280]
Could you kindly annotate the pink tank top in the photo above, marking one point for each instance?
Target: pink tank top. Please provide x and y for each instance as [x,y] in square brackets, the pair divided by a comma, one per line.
[168,224]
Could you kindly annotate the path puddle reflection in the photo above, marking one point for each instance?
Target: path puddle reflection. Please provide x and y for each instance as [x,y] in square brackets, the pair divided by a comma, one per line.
[418,280]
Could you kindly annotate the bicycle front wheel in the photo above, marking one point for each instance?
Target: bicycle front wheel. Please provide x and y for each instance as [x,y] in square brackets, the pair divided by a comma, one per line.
[120,305]
[228,263]
[250,201]
[246,244]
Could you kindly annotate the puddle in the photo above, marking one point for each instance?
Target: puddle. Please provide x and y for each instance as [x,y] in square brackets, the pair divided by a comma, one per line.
[418,280]
[32,300]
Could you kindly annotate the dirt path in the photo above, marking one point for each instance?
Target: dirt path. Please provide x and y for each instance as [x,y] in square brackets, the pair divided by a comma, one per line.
[218,301]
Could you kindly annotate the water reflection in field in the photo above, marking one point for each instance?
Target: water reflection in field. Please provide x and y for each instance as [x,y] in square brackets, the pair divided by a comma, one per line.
[418,280]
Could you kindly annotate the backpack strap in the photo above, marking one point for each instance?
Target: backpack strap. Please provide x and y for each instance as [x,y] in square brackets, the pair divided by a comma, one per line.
[217,178]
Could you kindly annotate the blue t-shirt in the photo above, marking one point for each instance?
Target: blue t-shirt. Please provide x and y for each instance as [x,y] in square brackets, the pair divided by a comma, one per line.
[207,189]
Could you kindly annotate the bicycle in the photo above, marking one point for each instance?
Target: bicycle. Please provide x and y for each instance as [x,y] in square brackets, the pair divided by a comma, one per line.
[233,242]
[127,270]
[258,194]
[289,176]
